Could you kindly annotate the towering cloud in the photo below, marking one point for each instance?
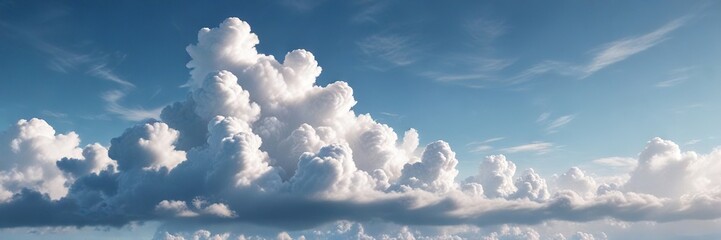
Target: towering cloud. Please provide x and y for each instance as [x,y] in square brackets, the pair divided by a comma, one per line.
[257,141]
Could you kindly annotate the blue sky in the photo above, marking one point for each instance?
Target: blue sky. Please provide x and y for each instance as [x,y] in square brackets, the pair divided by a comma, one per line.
[410,83]
[550,85]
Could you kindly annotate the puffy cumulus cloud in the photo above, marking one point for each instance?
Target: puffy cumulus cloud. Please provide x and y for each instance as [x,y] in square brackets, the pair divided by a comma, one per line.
[197,235]
[577,180]
[221,48]
[257,142]
[29,151]
[663,170]
[436,172]
[236,158]
[531,186]
[221,95]
[95,159]
[512,233]
[181,208]
[496,176]
[381,231]
[330,172]
[588,236]
[147,146]
[175,208]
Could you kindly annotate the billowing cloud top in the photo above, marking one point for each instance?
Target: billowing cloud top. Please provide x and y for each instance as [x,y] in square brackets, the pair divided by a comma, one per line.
[256,141]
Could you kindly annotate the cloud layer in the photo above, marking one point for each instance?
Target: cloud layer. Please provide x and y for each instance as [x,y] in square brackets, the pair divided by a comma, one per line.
[257,141]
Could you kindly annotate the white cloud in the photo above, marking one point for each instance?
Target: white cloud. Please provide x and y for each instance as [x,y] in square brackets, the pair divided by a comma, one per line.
[29,150]
[369,11]
[676,77]
[53,114]
[671,82]
[302,5]
[482,146]
[535,147]
[65,60]
[474,67]
[436,172]
[603,56]
[102,71]
[112,99]
[543,117]
[626,163]
[559,122]
[496,176]
[148,146]
[619,50]
[577,180]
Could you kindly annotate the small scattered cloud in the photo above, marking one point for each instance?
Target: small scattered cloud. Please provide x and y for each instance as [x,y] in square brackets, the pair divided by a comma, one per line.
[692,142]
[537,147]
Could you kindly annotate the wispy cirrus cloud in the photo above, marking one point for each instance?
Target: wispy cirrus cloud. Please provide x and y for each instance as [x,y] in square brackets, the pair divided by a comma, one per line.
[53,114]
[475,66]
[301,5]
[91,63]
[676,76]
[101,70]
[543,117]
[620,50]
[112,100]
[626,163]
[552,126]
[603,56]
[65,60]
[467,68]
[394,49]
[483,29]
[537,147]
[559,122]
[544,67]
[482,146]
[369,11]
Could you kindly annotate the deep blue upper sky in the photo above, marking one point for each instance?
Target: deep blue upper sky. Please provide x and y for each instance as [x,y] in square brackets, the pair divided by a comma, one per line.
[568,82]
